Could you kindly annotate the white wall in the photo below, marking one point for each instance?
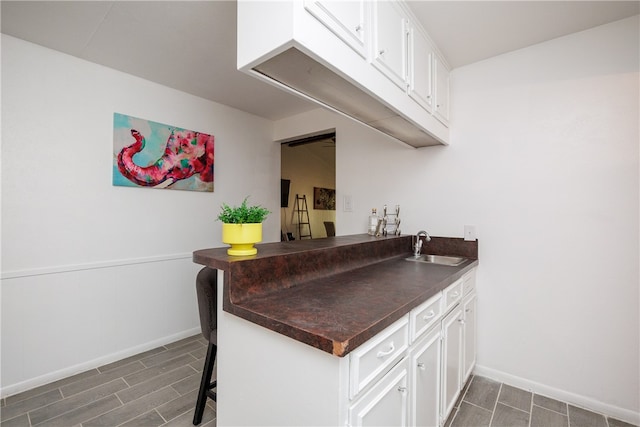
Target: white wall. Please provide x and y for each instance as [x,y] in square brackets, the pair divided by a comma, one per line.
[92,272]
[551,133]
[544,162]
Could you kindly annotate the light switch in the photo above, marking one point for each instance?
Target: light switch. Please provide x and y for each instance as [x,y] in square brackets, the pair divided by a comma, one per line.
[347,205]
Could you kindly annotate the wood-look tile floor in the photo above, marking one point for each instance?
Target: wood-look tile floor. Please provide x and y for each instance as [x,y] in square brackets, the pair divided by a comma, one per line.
[155,388]
[488,403]
[159,387]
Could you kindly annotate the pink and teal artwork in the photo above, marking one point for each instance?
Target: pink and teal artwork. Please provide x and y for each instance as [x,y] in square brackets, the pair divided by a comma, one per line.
[156,155]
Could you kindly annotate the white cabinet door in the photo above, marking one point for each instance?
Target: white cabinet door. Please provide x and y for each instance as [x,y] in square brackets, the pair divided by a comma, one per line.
[385,404]
[451,359]
[421,76]
[425,380]
[347,19]
[470,334]
[441,110]
[390,25]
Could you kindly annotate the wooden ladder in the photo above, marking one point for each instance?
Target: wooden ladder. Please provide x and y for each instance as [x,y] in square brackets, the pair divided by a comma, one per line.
[301,209]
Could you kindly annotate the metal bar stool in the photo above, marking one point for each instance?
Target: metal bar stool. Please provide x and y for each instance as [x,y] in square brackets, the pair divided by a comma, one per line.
[206,291]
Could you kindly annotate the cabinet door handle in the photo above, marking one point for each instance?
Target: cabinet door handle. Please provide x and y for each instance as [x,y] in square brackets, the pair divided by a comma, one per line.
[381,52]
[455,294]
[468,310]
[429,315]
[421,366]
[402,389]
[358,28]
[382,354]
[461,321]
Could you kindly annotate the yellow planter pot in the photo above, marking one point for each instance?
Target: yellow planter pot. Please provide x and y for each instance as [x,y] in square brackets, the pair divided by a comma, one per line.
[241,237]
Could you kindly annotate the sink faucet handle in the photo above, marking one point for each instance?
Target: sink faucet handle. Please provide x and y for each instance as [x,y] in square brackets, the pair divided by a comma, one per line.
[424,234]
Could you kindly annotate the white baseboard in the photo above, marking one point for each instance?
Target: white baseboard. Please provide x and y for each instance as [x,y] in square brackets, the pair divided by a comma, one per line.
[565,396]
[47,378]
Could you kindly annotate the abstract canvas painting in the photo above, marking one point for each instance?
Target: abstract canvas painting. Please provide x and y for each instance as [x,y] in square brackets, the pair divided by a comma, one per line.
[156,155]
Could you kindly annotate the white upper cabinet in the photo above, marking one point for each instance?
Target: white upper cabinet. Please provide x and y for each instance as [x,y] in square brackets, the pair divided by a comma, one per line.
[428,75]
[390,29]
[421,73]
[349,20]
[441,110]
[403,52]
[353,57]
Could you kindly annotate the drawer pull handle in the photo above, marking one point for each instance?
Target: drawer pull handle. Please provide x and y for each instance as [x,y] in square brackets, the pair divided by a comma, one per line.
[461,321]
[468,310]
[402,389]
[382,354]
[358,28]
[429,315]
[455,294]
[421,366]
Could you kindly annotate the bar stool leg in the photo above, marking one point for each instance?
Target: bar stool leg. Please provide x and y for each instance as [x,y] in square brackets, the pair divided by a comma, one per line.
[205,383]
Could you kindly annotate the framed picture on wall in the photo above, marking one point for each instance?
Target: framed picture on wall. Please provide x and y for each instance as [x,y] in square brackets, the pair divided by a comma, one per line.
[156,155]
[324,199]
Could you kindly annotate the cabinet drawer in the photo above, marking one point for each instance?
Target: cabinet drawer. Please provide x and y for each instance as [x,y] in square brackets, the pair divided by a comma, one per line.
[469,282]
[453,294]
[424,316]
[374,358]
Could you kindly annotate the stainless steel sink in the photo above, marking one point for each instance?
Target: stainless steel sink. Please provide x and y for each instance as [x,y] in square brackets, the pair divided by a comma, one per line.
[438,259]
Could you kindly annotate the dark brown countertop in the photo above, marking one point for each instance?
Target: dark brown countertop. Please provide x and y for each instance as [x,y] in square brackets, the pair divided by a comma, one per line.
[334,293]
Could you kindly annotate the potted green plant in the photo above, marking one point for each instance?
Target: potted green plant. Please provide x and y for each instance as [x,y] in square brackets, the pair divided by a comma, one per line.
[242,227]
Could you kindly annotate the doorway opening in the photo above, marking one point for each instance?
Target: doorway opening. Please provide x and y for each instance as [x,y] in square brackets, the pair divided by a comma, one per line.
[308,186]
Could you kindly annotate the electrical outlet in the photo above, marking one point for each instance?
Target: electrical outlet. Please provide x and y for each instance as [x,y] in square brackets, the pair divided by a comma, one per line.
[347,204]
[470,232]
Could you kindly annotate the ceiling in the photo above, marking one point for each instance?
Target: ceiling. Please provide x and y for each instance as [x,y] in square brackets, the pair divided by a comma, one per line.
[190,45]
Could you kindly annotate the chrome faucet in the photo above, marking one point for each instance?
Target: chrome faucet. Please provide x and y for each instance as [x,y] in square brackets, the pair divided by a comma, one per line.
[418,244]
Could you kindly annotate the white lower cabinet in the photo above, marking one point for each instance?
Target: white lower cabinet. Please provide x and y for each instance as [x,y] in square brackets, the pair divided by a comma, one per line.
[426,358]
[470,335]
[409,394]
[452,351]
[385,404]
[459,335]
[415,380]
